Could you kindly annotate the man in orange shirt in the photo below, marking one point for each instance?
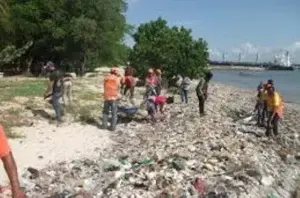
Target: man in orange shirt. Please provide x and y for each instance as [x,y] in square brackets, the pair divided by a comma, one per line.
[10,165]
[112,84]
[275,110]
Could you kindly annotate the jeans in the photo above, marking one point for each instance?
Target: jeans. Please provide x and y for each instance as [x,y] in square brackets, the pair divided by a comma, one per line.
[184,95]
[260,113]
[272,124]
[201,104]
[264,112]
[110,105]
[57,106]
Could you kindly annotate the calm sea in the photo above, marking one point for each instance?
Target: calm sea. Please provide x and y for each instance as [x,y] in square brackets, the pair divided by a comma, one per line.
[287,83]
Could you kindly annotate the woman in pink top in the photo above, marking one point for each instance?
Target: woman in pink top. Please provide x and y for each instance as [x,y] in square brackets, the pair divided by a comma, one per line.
[155,102]
[151,82]
[151,79]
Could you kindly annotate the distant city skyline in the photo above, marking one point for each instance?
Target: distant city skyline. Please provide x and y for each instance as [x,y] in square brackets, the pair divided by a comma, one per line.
[237,28]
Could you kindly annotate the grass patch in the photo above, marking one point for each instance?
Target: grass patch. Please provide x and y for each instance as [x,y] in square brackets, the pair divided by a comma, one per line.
[85,113]
[90,96]
[25,88]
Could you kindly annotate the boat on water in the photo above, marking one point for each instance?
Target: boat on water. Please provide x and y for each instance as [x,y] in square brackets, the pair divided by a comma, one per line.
[280,68]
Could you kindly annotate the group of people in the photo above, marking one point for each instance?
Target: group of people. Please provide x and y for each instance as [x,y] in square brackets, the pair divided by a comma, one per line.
[114,84]
[154,99]
[184,82]
[269,107]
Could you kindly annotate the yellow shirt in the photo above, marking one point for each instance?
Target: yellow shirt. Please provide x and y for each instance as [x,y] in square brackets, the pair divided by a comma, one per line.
[274,103]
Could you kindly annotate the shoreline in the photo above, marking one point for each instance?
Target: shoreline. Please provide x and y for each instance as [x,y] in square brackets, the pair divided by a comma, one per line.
[217,144]
[254,92]
[237,68]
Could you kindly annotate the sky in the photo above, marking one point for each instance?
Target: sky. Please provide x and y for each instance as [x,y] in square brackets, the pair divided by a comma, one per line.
[266,27]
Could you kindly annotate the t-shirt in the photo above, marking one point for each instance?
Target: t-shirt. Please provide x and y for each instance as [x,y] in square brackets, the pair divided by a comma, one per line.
[158,99]
[4,147]
[111,87]
[201,88]
[57,79]
[274,103]
[186,83]
[130,81]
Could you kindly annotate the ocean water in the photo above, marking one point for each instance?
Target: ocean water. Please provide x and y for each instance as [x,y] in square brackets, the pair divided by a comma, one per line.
[287,83]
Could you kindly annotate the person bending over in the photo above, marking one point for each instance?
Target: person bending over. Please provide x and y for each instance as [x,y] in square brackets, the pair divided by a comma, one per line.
[157,103]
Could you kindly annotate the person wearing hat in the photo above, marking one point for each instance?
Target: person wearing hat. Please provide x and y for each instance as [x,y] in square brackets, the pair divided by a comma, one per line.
[129,81]
[275,110]
[201,90]
[55,91]
[112,86]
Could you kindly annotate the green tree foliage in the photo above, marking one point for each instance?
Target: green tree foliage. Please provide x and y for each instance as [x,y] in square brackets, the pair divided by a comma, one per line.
[80,33]
[3,8]
[172,48]
[10,53]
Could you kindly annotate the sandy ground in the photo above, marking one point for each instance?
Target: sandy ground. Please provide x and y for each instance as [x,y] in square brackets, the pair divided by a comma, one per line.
[45,144]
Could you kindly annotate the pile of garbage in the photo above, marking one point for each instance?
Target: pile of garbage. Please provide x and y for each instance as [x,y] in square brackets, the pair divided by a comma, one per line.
[185,155]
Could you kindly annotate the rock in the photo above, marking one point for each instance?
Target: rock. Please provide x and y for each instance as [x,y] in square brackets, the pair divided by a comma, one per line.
[254,173]
[90,74]
[34,173]
[111,165]
[267,180]
[179,164]
[83,194]
[191,148]
[73,75]
[209,167]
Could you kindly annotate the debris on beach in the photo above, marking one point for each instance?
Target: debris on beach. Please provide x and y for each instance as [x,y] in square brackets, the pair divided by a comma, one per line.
[220,155]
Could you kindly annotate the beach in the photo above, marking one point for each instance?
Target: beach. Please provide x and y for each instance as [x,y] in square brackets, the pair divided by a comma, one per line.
[140,159]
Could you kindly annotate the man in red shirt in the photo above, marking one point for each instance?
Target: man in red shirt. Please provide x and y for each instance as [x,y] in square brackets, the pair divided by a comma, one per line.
[10,165]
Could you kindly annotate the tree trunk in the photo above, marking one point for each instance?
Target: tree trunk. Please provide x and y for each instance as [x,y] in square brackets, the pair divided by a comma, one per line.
[28,64]
[83,64]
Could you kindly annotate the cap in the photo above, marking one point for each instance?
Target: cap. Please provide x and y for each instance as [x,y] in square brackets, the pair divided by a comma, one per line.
[158,71]
[150,70]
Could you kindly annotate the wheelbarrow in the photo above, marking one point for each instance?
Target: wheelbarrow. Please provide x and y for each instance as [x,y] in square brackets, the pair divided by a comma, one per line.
[129,111]
[126,114]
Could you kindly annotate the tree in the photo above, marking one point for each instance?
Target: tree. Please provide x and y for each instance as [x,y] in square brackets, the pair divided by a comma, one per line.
[80,33]
[3,8]
[173,48]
